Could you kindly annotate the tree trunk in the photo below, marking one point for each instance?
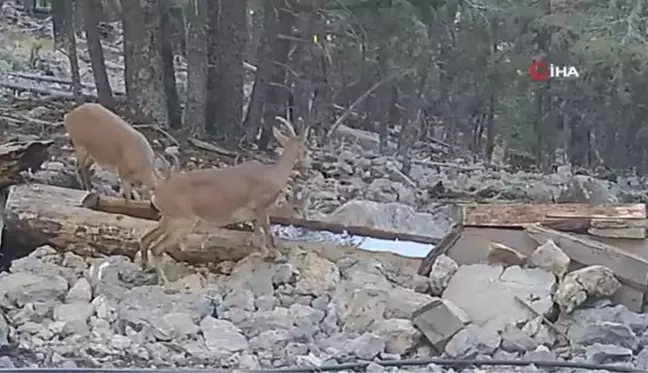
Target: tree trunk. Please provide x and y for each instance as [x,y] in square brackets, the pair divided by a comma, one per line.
[196,100]
[178,27]
[58,23]
[29,6]
[144,73]
[170,88]
[70,41]
[104,92]
[225,51]
[278,92]
[264,72]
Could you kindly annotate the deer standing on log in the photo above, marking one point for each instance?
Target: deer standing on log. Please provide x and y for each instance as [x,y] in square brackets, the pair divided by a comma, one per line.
[100,136]
[221,197]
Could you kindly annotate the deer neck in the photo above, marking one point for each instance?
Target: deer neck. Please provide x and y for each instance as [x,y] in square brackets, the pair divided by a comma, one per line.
[286,163]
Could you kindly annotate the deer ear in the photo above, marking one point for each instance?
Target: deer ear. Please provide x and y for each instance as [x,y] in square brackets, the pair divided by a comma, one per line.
[283,140]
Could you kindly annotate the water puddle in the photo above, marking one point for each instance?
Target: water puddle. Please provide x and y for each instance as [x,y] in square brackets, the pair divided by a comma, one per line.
[404,248]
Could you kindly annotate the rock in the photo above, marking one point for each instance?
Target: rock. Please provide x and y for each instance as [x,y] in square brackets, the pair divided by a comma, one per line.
[589,281]
[551,258]
[146,306]
[4,332]
[437,322]
[486,293]
[175,326]
[541,353]
[539,332]
[400,334]
[222,336]
[586,189]
[80,291]
[607,333]
[360,308]
[22,287]
[641,360]
[6,363]
[620,314]
[367,346]
[442,271]
[393,216]
[472,341]
[502,254]
[604,354]
[317,276]
[515,340]
[77,311]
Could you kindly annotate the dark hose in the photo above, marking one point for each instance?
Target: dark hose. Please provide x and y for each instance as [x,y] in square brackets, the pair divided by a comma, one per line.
[348,366]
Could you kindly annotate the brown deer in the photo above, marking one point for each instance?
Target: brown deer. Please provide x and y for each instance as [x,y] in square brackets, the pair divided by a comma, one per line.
[224,196]
[100,136]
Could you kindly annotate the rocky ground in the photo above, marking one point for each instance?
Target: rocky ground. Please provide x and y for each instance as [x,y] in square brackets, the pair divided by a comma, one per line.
[62,310]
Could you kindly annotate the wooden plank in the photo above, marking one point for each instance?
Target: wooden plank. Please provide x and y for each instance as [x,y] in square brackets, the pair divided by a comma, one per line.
[618,228]
[520,214]
[145,210]
[629,268]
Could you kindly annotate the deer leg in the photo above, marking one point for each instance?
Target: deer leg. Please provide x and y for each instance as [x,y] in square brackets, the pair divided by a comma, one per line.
[173,236]
[81,169]
[262,229]
[148,238]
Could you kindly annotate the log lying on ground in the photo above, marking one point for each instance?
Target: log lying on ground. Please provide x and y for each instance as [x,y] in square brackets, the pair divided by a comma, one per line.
[37,214]
[16,157]
[144,210]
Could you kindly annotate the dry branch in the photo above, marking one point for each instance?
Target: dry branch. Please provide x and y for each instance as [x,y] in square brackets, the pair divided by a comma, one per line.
[16,157]
[52,79]
[54,93]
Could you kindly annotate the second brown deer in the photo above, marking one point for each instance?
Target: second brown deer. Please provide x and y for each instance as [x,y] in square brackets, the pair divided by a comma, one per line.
[101,136]
[220,197]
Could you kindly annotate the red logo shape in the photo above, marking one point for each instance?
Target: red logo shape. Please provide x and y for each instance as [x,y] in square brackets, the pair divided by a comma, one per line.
[539,70]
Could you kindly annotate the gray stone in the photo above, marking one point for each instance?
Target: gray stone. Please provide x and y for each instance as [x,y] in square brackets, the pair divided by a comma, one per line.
[175,325]
[80,291]
[6,363]
[222,336]
[367,346]
[541,353]
[603,354]
[4,332]
[551,258]
[73,311]
[641,360]
[266,303]
[437,322]
[401,335]
[515,340]
[22,287]
[605,332]
[487,293]
[471,341]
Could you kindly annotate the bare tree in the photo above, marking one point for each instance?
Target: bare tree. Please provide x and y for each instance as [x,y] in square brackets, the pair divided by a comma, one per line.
[168,69]
[195,104]
[65,7]
[91,12]
[58,23]
[144,73]
[226,48]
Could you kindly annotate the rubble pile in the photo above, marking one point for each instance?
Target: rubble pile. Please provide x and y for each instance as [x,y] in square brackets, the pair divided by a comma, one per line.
[62,310]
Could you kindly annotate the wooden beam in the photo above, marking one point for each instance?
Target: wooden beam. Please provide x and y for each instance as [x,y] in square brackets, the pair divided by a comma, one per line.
[520,214]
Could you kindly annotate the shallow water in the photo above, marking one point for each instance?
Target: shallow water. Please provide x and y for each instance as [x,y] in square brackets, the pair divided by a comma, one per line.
[404,248]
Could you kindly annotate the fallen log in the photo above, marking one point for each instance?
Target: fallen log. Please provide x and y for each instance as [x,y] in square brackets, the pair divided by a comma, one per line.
[145,210]
[37,214]
[16,157]
[54,93]
[53,79]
